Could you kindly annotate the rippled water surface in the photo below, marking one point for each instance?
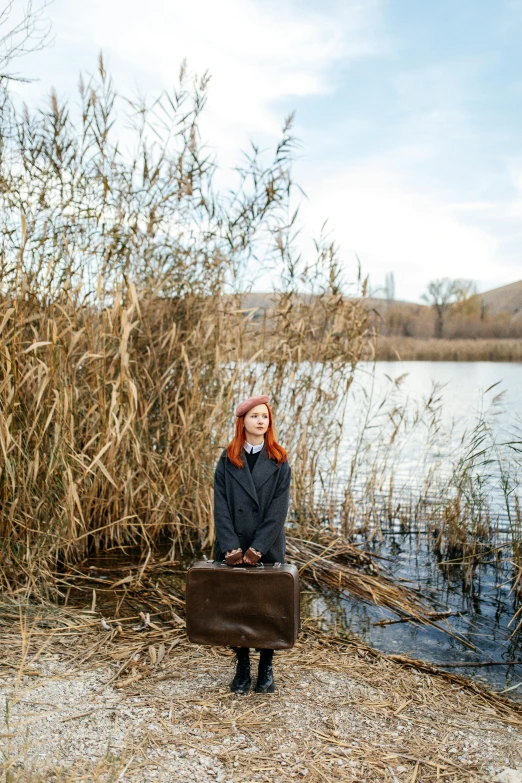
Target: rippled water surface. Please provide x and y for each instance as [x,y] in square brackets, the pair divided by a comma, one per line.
[481,609]
[459,392]
[481,613]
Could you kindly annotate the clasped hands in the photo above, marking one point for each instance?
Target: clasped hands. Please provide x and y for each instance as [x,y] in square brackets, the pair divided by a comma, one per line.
[235,557]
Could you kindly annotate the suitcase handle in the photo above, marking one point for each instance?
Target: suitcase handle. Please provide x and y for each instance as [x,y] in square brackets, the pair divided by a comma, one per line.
[256,565]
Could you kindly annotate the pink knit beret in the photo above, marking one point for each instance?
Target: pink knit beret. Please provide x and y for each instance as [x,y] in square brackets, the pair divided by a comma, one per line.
[250,403]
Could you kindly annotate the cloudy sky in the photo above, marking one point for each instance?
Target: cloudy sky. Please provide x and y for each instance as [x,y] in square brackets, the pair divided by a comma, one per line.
[409,112]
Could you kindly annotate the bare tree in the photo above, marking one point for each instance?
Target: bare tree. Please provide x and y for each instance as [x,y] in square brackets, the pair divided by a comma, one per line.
[442,293]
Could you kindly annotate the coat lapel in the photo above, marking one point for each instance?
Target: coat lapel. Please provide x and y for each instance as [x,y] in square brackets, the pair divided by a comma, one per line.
[263,469]
[244,477]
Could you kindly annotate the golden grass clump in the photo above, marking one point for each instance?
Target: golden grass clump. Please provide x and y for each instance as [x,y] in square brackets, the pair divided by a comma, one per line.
[124,335]
[392,348]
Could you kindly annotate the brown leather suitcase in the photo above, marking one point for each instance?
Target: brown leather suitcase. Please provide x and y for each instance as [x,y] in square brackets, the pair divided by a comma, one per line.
[242,606]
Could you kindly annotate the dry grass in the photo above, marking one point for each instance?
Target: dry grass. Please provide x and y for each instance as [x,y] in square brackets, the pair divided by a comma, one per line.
[111,422]
[159,585]
[344,568]
[124,344]
[456,350]
[154,708]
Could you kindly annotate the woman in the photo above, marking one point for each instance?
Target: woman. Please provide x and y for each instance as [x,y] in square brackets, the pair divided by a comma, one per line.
[251,494]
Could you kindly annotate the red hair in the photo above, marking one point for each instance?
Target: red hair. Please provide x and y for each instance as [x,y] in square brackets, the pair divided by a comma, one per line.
[273,449]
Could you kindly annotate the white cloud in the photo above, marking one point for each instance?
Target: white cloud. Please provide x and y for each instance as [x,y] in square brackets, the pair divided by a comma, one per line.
[392,227]
[419,202]
[259,53]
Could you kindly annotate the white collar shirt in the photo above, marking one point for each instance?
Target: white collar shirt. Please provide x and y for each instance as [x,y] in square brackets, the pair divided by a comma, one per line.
[252,449]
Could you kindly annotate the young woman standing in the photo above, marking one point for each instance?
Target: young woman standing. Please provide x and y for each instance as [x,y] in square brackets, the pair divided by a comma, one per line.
[251,496]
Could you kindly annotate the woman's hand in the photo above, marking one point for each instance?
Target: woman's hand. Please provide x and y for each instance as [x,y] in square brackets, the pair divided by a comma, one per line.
[234,557]
[251,556]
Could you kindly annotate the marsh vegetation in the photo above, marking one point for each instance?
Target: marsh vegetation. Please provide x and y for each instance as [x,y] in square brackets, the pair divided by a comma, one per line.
[126,338]
[123,338]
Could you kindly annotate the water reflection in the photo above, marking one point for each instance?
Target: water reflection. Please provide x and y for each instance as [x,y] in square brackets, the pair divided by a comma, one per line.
[432,427]
[481,612]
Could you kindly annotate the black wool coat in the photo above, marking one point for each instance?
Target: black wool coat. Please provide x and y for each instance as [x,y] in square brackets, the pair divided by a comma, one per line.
[250,508]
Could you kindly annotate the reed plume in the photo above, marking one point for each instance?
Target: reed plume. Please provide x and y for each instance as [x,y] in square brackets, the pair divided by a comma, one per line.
[125,335]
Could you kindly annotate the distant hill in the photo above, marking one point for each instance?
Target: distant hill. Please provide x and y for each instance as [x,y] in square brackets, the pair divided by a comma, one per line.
[265,301]
[506,299]
[382,305]
[492,315]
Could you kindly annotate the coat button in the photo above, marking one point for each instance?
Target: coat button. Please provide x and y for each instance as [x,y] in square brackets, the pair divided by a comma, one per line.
[254,511]
[240,511]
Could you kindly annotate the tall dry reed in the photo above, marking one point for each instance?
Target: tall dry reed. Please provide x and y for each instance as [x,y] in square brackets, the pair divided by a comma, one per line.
[124,335]
[127,336]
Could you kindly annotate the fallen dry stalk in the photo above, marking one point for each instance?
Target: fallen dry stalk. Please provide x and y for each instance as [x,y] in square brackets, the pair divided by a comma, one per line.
[384,717]
[342,567]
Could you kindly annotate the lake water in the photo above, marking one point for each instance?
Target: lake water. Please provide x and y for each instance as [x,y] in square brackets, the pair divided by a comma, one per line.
[481,615]
[482,610]
[463,386]
[438,405]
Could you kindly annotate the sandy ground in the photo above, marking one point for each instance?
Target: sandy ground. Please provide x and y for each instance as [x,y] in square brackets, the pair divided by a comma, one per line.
[342,712]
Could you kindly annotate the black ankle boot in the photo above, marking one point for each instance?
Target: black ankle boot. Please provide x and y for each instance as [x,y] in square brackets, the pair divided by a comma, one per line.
[242,680]
[265,674]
